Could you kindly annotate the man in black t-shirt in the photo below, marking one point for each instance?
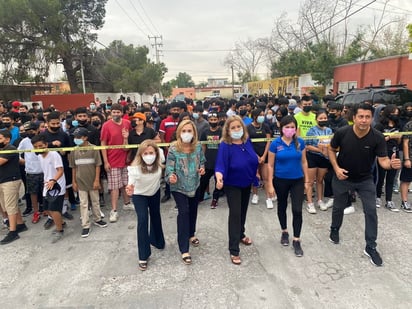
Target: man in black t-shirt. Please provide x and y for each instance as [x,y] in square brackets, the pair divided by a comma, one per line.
[358,147]
[10,181]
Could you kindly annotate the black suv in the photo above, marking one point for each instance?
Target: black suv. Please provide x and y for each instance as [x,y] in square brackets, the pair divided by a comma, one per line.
[393,94]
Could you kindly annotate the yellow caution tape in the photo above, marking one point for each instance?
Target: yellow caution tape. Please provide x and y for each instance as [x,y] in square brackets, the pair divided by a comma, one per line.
[133,146]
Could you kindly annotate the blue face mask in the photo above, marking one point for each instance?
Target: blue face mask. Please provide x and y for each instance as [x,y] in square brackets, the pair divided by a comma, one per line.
[195,116]
[78,141]
[236,134]
[260,119]
[75,123]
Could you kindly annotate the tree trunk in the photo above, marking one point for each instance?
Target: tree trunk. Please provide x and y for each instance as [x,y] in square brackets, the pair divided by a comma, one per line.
[71,75]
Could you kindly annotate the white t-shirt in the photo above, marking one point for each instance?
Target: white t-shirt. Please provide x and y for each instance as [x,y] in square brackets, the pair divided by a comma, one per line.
[49,165]
[144,184]
[31,165]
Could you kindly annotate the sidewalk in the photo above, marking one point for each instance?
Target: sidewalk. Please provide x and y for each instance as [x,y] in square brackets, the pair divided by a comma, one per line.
[101,271]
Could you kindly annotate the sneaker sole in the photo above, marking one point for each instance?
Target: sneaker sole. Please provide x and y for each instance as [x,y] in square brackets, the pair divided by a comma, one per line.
[333,242]
[370,259]
[85,236]
[407,210]
[102,226]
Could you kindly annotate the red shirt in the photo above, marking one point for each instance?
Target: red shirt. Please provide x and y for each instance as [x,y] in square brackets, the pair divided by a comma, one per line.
[168,127]
[112,135]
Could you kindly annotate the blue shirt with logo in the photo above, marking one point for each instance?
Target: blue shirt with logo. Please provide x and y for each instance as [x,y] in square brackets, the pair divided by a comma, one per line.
[288,159]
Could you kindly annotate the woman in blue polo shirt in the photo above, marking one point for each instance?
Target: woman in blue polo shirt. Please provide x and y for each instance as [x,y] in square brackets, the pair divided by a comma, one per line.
[287,157]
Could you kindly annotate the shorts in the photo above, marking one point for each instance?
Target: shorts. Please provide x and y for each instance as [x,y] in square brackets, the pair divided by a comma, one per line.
[117,178]
[406,174]
[9,196]
[316,161]
[34,183]
[56,205]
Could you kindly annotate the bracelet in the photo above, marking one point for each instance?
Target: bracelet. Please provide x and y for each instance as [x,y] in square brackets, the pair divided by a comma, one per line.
[54,180]
[406,160]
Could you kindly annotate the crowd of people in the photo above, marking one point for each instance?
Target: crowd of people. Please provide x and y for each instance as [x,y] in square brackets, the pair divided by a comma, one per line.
[304,145]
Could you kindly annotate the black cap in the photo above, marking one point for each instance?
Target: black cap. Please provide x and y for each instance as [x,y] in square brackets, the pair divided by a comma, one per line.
[30,126]
[80,132]
[53,193]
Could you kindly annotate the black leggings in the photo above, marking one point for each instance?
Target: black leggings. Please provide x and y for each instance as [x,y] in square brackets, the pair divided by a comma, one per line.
[296,188]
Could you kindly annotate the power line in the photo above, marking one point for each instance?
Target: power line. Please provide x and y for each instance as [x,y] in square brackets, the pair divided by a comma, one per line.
[138,14]
[200,50]
[147,16]
[134,22]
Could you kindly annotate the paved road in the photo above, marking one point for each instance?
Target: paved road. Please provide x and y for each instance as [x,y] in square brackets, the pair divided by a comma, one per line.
[101,271]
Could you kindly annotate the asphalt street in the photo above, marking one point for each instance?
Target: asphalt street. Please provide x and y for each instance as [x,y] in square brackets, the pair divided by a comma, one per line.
[101,271]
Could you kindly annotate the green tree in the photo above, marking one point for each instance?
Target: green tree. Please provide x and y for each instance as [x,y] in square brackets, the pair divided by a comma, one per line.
[409,27]
[36,33]
[182,80]
[291,63]
[323,61]
[127,68]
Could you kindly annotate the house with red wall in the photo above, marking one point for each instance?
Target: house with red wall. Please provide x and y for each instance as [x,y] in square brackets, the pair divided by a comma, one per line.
[386,71]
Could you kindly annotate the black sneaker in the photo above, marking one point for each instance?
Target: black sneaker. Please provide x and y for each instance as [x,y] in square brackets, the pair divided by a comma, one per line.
[213,205]
[67,215]
[165,198]
[21,228]
[100,223]
[27,212]
[334,235]
[284,239]
[374,256]
[297,248]
[10,237]
[85,233]
[48,224]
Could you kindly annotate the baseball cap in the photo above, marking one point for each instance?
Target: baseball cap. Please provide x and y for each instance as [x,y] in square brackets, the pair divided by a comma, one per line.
[53,193]
[30,126]
[80,132]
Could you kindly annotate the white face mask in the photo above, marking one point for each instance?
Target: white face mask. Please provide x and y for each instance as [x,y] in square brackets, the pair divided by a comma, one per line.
[149,159]
[186,137]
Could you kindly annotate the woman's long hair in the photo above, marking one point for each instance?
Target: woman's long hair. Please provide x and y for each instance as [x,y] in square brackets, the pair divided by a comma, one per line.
[138,160]
[179,143]
[226,130]
[285,121]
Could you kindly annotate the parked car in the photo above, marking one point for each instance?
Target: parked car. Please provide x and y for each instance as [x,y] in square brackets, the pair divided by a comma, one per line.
[393,94]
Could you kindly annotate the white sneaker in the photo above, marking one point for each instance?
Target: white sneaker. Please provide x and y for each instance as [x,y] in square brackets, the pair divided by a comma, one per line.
[329,203]
[391,206]
[349,210]
[128,206]
[310,207]
[269,203]
[255,199]
[113,216]
[322,205]
[275,198]
[378,202]
[101,214]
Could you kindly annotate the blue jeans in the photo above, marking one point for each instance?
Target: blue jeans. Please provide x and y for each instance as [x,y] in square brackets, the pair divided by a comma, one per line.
[186,219]
[367,194]
[144,205]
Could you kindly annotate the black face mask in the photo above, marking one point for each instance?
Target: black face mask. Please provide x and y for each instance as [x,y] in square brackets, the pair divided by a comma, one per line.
[332,116]
[30,135]
[23,135]
[7,124]
[323,123]
[175,115]
[279,118]
[213,124]
[393,117]
[82,122]
[307,109]
[54,129]
[133,123]
[22,113]
[242,112]
[96,123]
[2,145]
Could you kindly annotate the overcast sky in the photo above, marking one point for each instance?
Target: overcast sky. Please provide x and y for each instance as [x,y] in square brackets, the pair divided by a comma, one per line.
[210,25]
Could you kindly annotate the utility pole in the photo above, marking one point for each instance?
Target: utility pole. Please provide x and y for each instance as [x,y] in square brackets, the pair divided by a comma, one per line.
[233,82]
[157,43]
